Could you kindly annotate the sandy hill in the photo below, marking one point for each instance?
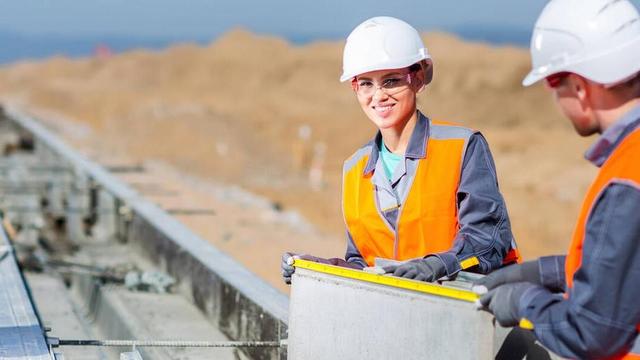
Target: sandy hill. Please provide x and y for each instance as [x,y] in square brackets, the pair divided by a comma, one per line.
[259,112]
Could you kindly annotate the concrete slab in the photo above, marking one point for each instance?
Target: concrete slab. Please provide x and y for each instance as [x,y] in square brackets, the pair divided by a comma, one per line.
[335,317]
[159,317]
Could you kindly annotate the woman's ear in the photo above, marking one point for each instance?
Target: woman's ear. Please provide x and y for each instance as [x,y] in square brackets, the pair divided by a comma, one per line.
[354,84]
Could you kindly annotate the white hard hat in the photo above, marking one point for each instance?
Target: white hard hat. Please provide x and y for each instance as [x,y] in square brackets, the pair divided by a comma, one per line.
[596,39]
[381,43]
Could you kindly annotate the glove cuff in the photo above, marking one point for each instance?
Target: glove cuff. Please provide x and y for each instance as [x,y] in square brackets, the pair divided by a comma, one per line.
[436,265]
[527,298]
[552,275]
[450,263]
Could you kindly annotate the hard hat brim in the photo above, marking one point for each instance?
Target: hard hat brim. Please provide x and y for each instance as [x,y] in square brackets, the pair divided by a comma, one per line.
[534,76]
[614,67]
[384,66]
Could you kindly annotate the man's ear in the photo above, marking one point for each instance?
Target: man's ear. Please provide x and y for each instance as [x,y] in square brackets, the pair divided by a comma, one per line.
[580,88]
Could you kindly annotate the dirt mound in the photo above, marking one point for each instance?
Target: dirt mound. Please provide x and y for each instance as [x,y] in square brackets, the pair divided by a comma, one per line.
[271,117]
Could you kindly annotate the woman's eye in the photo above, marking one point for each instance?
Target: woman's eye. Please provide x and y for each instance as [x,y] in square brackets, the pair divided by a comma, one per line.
[389,83]
[365,83]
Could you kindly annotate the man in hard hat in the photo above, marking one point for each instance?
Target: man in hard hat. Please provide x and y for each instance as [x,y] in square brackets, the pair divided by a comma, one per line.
[588,52]
[420,191]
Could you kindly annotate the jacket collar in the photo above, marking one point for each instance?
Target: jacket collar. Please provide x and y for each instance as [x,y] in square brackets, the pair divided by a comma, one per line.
[416,149]
[600,151]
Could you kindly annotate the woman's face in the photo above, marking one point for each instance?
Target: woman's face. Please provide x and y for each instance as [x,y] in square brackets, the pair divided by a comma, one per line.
[388,97]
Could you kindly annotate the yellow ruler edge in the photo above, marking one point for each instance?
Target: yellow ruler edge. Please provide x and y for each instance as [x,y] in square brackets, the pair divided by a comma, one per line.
[420,286]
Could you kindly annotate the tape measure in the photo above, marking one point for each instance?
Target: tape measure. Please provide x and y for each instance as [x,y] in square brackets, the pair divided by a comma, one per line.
[419,286]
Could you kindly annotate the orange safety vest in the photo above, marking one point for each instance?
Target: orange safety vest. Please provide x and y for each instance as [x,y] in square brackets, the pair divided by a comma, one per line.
[623,164]
[428,219]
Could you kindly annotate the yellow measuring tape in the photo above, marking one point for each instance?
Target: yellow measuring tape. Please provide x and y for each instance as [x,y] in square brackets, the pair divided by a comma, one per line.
[420,286]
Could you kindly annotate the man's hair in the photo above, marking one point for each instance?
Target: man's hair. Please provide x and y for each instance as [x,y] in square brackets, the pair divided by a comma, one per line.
[630,87]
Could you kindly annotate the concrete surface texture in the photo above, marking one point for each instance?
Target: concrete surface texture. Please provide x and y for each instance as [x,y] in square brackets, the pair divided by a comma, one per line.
[334,317]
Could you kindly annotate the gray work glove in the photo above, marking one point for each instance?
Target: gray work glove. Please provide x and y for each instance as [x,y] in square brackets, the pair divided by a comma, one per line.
[504,302]
[428,269]
[288,269]
[526,272]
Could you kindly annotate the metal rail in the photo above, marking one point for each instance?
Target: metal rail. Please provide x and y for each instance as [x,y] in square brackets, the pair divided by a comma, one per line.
[174,343]
[21,332]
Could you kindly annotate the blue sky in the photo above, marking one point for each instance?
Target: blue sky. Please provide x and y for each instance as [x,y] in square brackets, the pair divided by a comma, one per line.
[209,18]
[42,28]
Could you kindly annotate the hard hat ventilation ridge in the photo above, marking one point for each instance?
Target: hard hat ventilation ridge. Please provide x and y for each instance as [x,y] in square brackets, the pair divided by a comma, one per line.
[607,6]
[625,25]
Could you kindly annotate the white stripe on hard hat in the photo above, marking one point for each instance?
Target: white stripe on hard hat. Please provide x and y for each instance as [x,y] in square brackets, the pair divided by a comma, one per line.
[380,43]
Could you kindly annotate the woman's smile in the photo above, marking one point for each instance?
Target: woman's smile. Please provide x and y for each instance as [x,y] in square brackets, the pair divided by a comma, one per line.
[383,110]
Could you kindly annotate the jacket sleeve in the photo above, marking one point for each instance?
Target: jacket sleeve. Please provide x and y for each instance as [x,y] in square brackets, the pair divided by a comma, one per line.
[552,272]
[485,230]
[599,317]
[353,254]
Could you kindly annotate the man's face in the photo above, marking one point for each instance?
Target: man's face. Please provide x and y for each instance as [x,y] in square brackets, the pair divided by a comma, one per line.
[570,93]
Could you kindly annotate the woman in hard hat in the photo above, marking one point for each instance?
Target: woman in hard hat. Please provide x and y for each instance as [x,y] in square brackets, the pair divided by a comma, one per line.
[420,190]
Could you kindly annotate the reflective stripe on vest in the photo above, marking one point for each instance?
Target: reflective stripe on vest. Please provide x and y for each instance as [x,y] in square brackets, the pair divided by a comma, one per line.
[622,165]
[427,220]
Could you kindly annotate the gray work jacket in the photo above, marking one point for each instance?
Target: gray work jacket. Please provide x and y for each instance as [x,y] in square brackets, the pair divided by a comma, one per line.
[599,318]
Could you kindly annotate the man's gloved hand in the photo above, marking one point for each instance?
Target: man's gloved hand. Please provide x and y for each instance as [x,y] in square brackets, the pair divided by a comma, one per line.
[503,302]
[526,272]
[288,269]
[428,269]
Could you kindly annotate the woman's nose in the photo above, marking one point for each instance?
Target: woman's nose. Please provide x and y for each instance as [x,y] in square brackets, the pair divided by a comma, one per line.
[379,93]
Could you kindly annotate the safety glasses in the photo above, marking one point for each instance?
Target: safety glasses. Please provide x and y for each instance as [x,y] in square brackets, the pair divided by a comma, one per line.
[555,80]
[391,85]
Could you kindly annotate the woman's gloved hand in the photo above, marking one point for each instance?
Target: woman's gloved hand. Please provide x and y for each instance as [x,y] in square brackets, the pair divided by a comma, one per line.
[288,269]
[428,269]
